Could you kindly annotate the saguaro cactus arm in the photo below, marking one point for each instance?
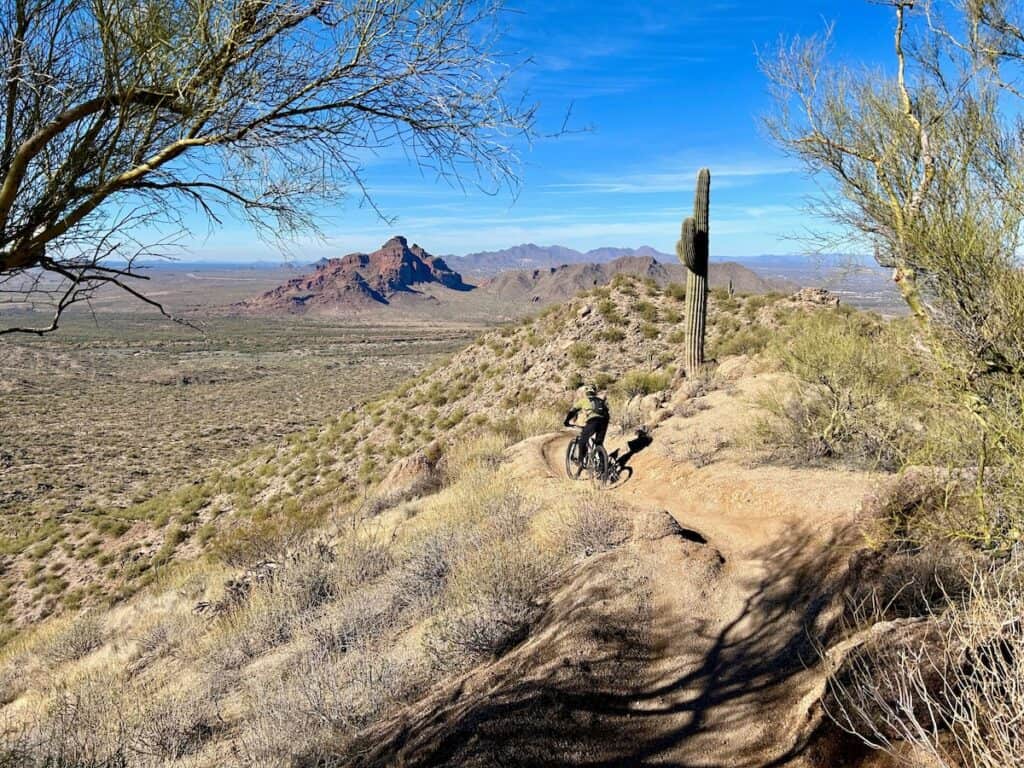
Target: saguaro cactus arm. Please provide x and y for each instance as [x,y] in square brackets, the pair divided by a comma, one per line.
[686,247]
[692,250]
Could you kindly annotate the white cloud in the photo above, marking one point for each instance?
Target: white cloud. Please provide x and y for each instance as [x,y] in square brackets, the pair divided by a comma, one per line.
[674,181]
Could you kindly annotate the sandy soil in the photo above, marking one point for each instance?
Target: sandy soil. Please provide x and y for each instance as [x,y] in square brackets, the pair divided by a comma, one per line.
[695,644]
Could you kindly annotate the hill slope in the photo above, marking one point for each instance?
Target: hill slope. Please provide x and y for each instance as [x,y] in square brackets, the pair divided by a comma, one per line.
[415,583]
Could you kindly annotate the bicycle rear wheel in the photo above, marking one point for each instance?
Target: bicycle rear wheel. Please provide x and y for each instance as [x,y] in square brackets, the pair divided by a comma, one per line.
[573,463]
[612,474]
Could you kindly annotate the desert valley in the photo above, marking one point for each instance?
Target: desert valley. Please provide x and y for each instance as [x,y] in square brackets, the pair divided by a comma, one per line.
[304,464]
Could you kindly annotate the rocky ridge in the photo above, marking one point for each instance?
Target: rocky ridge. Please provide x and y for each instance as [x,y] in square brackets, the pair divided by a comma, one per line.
[556,284]
[361,280]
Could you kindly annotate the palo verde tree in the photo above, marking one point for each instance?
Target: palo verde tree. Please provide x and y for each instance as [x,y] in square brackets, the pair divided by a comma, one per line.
[922,163]
[121,117]
[926,170]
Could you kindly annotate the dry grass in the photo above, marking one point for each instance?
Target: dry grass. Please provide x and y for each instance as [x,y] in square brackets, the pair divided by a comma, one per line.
[952,687]
[322,644]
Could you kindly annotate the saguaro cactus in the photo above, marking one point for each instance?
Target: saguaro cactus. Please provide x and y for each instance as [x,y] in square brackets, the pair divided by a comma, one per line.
[692,250]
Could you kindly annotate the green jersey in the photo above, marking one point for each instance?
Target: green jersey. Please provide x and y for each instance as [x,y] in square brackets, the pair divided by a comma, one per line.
[591,408]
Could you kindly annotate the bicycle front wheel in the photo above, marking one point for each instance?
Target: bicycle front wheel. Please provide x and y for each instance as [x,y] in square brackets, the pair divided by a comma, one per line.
[573,463]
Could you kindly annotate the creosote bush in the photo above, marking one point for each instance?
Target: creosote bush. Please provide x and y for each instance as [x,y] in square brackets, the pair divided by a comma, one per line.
[80,636]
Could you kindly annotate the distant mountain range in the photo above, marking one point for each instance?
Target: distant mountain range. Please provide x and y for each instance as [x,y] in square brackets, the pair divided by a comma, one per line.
[408,280]
[530,256]
[555,284]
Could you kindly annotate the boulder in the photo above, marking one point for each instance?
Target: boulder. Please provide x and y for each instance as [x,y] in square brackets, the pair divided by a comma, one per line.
[733,368]
[815,297]
[406,475]
[651,403]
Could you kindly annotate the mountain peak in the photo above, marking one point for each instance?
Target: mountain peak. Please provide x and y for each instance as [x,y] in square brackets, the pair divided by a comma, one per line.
[361,280]
[397,241]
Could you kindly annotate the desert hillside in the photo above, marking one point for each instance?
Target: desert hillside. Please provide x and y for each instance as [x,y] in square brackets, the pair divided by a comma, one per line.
[557,284]
[416,582]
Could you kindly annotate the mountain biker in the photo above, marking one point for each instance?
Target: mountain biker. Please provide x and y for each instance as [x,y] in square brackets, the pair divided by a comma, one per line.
[592,410]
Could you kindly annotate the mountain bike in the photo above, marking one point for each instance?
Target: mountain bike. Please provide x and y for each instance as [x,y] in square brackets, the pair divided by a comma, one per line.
[597,465]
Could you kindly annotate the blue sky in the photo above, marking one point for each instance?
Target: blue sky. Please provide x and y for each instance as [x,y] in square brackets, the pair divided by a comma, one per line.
[666,88]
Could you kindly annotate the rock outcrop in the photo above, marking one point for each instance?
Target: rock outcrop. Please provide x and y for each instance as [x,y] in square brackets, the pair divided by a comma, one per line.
[361,280]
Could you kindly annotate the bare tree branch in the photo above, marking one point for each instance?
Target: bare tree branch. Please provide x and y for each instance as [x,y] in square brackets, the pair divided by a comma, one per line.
[265,107]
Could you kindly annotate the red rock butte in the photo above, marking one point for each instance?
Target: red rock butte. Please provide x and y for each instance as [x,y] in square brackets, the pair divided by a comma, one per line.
[363,279]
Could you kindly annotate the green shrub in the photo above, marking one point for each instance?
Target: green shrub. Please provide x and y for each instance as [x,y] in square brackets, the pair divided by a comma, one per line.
[723,301]
[636,383]
[748,340]
[612,334]
[610,312]
[645,310]
[855,391]
[676,291]
[581,353]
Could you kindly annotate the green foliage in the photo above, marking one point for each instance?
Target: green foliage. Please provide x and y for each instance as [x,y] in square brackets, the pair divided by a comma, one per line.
[723,301]
[676,291]
[581,353]
[626,284]
[610,312]
[645,310]
[748,340]
[638,382]
[856,388]
[612,335]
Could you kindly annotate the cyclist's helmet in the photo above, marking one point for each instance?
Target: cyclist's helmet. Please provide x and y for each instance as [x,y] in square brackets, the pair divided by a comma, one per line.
[590,390]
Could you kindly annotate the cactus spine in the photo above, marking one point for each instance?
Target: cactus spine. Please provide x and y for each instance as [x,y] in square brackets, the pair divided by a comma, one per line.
[692,250]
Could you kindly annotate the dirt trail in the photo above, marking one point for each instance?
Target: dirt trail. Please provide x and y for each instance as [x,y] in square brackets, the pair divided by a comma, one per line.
[694,644]
[737,672]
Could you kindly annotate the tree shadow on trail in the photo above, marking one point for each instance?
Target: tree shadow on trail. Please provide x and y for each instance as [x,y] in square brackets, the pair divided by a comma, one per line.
[726,700]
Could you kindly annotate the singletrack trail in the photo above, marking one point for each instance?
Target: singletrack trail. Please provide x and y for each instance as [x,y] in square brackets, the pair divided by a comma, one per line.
[694,643]
[736,620]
